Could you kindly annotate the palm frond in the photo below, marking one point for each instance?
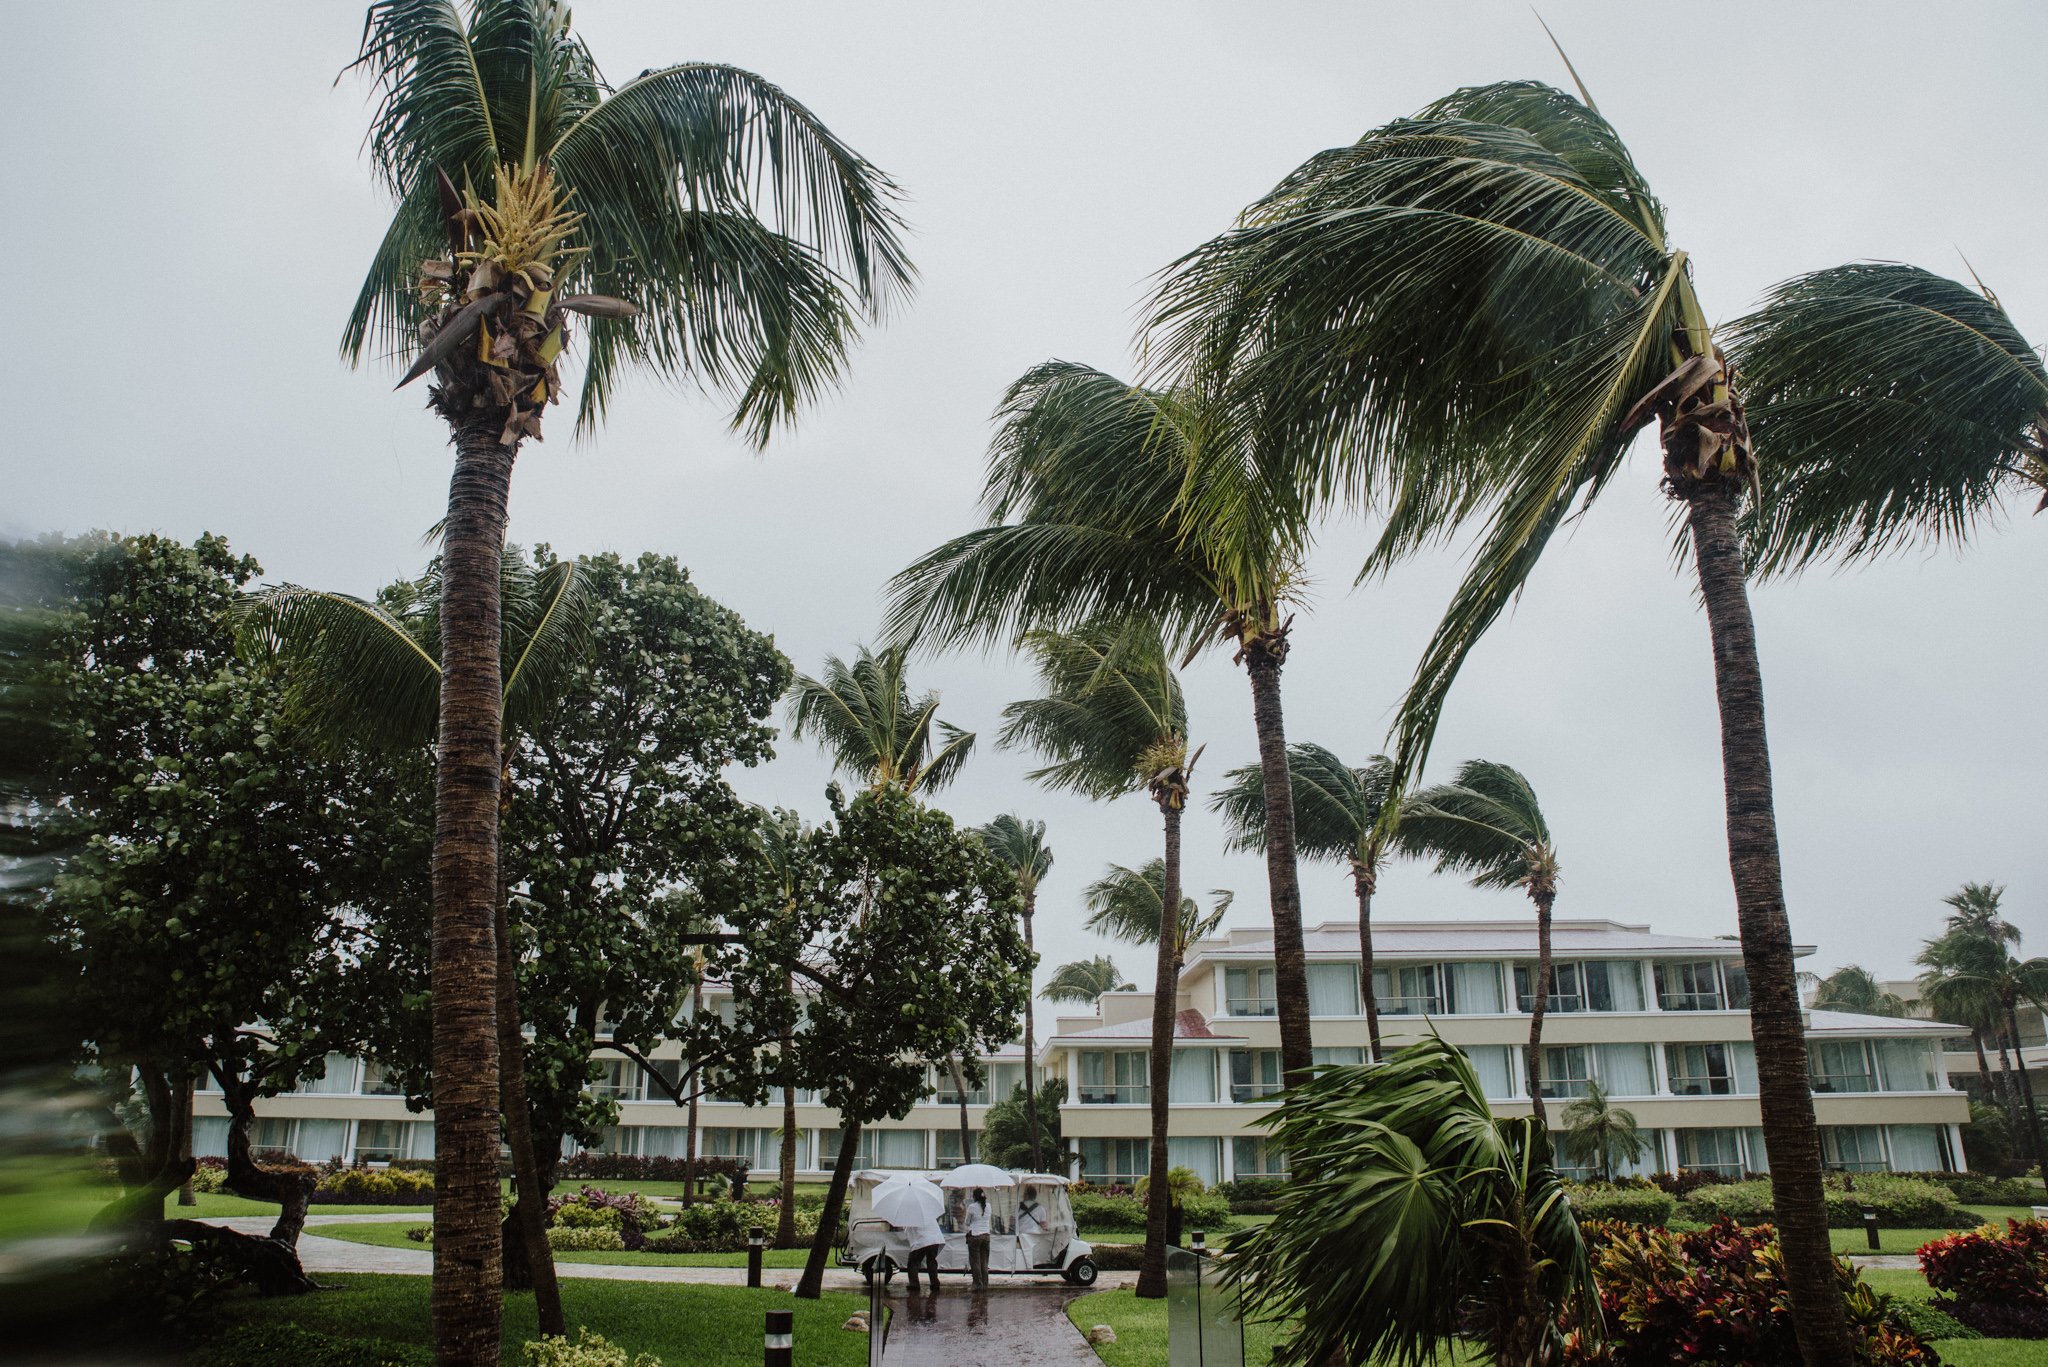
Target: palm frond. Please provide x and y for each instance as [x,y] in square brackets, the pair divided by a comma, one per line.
[1109,696]
[1890,407]
[864,717]
[353,671]
[1084,980]
[547,634]
[1336,807]
[1020,844]
[1486,822]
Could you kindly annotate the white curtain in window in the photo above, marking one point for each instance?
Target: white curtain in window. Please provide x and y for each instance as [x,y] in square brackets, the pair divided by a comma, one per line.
[1650,1160]
[340,1076]
[1742,1057]
[422,1139]
[1204,1156]
[1004,1079]
[1093,1069]
[1626,1070]
[1625,983]
[898,1148]
[1332,990]
[1475,989]
[1915,1148]
[1491,1063]
[1341,1053]
[319,1140]
[1759,1161]
[1194,1075]
[210,1136]
[666,1141]
[1906,1065]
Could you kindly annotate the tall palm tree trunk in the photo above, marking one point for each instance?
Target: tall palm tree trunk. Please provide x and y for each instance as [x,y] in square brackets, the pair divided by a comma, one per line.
[1994,1087]
[529,1219]
[1165,991]
[813,1282]
[468,1273]
[1362,879]
[1791,1135]
[2012,1024]
[1263,656]
[1539,1003]
[2009,1089]
[1030,1044]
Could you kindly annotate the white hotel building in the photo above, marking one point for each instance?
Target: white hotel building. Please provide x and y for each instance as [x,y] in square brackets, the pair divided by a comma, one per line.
[1659,1020]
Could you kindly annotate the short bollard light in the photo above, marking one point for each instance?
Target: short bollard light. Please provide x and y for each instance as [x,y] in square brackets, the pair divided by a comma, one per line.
[1870,1227]
[1198,1243]
[756,1238]
[778,1344]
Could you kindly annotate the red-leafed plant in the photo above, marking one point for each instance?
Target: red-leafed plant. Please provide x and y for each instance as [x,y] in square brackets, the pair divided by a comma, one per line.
[1995,1281]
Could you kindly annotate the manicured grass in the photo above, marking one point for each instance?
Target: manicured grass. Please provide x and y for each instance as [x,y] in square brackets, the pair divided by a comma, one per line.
[50,1197]
[1904,1283]
[1141,1332]
[684,1326]
[1993,1352]
[392,1235]
[221,1205]
[1909,1240]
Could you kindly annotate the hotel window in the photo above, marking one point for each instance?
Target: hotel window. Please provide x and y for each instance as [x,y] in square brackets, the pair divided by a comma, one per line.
[1203,1156]
[1907,1065]
[1919,1148]
[877,1148]
[1625,1069]
[618,1079]
[1409,990]
[1566,1068]
[1004,1079]
[762,1148]
[1249,992]
[1691,986]
[378,1080]
[1344,1054]
[1193,1079]
[947,1146]
[1251,1156]
[1254,1074]
[1841,1066]
[380,1141]
[1592,985]
[1115,1162]
[1711,1150]
[1853,1148]
[1494,1063]
[337,1074]
[1333,990]
[1473,989]
[1700,1069]
[1567,988]
[1115,1077]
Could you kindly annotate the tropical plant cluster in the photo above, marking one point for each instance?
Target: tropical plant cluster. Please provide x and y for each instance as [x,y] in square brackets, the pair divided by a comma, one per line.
[1716,1295]
[589,1350]
[375,1187]
[1993,1280]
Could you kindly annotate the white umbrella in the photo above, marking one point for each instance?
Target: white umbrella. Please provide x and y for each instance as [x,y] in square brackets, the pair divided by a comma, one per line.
[977,1175]
[907,1203]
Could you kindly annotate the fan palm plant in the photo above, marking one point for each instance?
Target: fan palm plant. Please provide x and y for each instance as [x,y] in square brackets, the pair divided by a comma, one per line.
[366,671]
[1474,311]
[1487,823]
[1341,814]
[1853,987]
[1597,1133]
[709,228]
[1087,514]
[1111,720]
[1899,408]
[1084,980]
[1415,1217]
[1020,844]
[866,720]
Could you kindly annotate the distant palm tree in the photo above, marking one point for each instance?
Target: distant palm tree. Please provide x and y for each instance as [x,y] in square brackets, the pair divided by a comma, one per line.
[710,229]
[1084,980]
[1125,904]
[1486,823]
[1340,814]
[1415,1217]
[1112,720]
[1596,1133]
[1020,844]
[1955,994]
[1088,515]
[1900,408]
[864,717]
[1855,988]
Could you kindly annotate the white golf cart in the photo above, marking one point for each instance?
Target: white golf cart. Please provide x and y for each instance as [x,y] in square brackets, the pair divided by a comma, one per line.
[1047,1245]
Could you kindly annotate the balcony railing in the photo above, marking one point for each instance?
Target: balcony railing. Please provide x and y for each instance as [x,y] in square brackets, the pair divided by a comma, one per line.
[1704,1084]
[1691,1001]
[1115,1094]
[1253,1091]
[1410,1006]
[1564,1088]
[1844,1082]
[1252,1006]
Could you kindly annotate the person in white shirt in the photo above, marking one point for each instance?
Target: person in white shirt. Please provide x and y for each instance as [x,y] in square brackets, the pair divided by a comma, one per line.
[977,1238]
[1032,1228]
[925,1240]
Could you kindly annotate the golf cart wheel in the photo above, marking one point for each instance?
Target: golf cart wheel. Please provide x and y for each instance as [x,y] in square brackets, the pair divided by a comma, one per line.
[869,1268]
[1082,1273]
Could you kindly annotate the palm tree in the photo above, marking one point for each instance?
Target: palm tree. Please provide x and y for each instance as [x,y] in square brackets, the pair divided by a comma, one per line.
[1084,980]
[1595,1133]
[1899,408]
[1020,844]
[1112,720]
[866,720]
[1486,822]
[1955,994]
[1086,509]
[359,670]
[1415,1217]
[1340,814]
[711,229]
[1125,904]
[1855,988]
[1475,310]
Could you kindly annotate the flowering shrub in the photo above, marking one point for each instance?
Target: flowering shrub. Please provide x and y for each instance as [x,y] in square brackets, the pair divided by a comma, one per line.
[567,1240]
[589,1350]
[630,1210]
[1716,1295]
[1995,1281]
[370,1187]
[210,1175]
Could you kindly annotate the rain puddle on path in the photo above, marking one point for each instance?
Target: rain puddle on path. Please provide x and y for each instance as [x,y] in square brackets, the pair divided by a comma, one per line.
[1012,1327]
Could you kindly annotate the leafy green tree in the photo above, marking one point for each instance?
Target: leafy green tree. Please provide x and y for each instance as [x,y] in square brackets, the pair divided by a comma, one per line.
[1341,814]
[1899,408]
[1086,501]
[1112,720]
[1083,980]
[866,720]
[779,838]
[1486,822]
[1471,313]
[1853,987]
[891,882]
[1415,1218]
[1020,844]
[711,229]
[1010,1138]
[1597,1133]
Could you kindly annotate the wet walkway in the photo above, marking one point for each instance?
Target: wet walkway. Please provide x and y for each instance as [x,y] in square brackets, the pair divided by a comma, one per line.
[1008,1327]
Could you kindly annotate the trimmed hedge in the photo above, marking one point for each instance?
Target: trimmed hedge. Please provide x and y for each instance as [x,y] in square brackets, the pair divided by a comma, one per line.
[633,1167]
[287,1345]
[1982,1189]
[1205,1211]
[1635,1205]
[373,1187]
[1118,1257]
[1900,1203]
[598,1240]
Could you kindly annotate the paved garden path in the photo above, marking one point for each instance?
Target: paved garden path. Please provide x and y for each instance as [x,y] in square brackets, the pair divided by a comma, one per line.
[1011,1327]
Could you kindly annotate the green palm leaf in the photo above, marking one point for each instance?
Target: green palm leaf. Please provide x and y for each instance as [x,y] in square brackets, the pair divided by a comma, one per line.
[1109,708]
[866,720]
[1486,823]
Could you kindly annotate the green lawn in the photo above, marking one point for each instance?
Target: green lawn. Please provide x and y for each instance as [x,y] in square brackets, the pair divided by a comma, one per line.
[1909,1240]
[392,1235]
[50,1197]
[221,1205]
[684,1326]
[1141,1332]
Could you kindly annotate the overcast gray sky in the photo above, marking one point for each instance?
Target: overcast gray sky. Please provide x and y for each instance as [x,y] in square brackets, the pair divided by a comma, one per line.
[189,217]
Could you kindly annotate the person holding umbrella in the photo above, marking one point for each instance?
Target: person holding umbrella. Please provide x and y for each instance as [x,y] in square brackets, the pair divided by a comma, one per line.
[977,1238]
[911,1206]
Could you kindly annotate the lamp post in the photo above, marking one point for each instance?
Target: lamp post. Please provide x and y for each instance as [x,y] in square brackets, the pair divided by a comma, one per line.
[757,1237]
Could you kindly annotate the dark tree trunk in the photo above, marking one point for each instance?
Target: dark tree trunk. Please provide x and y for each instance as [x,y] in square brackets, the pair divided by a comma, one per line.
[271,1267]
[1362,879]
[291,1189]
[1538,1004]
[2012,1023]
[1262,660]
[690,1130]
[186,1196]
[533,1265]
[467,1241]
[960,1096]
[1791,1135]
[1994,1091]
[1165,991]
[150,1171]
[813,1282]
[2009,1088]
[1030,1043]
